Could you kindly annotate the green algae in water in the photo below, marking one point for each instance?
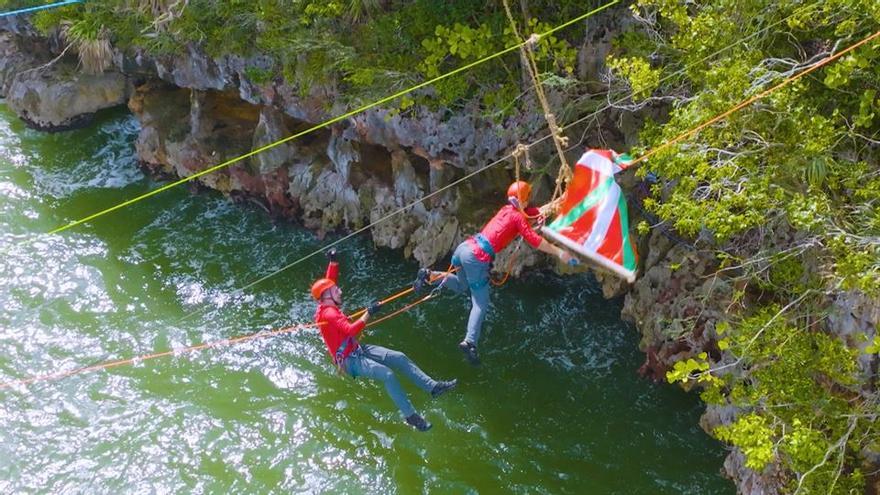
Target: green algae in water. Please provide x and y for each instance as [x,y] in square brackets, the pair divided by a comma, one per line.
[556,408]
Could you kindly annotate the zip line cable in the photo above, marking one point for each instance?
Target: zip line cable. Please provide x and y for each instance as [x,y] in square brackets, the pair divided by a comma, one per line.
[494,163]
[288,329]
[216,343]
[238,291]
[243,338]
[749,101]
[39,7]
[322,124]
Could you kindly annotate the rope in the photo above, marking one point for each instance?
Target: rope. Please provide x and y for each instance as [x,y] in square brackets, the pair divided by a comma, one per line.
[39,7]
[509,269]
[491,165]
[753,99]
[295,327]
[559,140]
[147,357]
[221,342]
[321,125]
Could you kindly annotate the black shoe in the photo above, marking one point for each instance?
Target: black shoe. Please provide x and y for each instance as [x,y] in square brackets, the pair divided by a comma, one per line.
[470,352]
[418,422]
[443,387]
[423,280]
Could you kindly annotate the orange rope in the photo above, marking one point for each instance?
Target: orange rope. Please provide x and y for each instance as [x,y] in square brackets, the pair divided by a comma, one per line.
[243,338]
[401,293]
[753,99]
[147,357]
[401,310]
[509,270]
[214,343]
[431,295]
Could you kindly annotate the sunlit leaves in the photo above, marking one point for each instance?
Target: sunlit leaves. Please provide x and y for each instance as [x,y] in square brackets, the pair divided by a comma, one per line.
[753,436]
[789,187]
[638,73]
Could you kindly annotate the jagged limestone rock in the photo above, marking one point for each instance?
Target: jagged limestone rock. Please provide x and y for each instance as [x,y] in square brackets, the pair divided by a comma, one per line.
[44,86]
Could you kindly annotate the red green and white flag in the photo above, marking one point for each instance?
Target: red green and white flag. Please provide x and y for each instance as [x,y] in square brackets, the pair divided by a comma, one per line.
[593,220]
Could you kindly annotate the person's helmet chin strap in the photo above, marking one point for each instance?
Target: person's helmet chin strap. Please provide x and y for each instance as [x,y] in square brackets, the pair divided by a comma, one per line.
[329,295]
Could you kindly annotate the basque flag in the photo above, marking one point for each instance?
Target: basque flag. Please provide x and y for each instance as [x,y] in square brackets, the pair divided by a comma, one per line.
[593,220]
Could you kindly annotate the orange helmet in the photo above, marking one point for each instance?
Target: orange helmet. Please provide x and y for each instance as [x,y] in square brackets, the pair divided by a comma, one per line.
[320,286]
[521,190]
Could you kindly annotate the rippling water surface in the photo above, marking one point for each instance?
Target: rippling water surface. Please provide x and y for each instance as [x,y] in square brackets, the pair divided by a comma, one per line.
[556,407]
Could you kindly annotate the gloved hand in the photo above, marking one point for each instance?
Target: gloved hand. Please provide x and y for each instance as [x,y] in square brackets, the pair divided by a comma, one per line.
[331,254]
[374,308]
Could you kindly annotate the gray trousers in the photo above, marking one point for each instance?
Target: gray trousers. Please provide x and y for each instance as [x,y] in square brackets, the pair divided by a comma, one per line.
[377,363]
[473,276]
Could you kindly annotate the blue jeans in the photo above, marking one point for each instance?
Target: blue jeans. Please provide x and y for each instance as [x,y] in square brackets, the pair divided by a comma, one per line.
[473,276]
[376,362]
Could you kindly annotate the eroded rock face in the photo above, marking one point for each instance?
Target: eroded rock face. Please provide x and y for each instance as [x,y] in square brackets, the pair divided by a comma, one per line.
[60,98]
[769,482]
[327,180]
[675,303]
[855,318]
[44,86]
[14,58]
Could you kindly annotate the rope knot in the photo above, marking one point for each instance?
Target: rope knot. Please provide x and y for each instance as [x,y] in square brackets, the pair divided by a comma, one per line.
[533,40]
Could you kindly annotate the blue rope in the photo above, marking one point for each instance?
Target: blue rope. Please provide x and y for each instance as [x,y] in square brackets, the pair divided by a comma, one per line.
[40,7]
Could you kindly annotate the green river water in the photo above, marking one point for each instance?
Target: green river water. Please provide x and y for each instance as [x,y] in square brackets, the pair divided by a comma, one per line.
[556,407]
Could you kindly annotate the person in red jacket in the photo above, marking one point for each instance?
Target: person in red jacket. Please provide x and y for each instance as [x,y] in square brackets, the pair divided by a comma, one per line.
[370,361]
[474,256]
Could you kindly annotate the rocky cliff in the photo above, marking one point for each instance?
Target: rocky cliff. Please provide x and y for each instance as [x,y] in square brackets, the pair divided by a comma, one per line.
[197,111]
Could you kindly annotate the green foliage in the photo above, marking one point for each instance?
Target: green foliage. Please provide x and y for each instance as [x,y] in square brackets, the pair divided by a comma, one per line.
[258,75]
[460,44]
[692,370]
[752,435]
[637,71]
[790,189]
[367,48]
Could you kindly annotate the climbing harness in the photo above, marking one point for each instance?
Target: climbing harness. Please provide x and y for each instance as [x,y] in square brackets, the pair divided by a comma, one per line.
[243,338]
[340,356]
[222,342]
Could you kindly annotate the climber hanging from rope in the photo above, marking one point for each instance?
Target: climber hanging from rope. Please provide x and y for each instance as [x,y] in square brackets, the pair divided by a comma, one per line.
[370,361]
[474,256]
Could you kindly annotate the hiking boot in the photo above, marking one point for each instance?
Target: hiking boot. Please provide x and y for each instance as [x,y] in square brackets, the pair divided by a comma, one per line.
[470,352]
[443,387]
[418,422]
[423,280]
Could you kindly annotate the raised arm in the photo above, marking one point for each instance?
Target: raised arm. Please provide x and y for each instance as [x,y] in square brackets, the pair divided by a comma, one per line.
[332,266]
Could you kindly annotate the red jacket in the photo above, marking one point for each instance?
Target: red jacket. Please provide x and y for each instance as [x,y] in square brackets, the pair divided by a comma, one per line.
[503,228]
[334,325]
